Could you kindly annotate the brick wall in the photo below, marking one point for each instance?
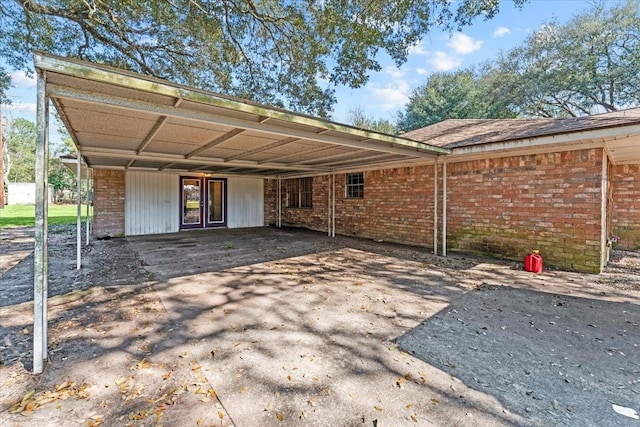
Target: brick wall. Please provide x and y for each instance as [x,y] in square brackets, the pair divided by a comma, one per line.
[510,206]
[625,193]
[504,207]
[108,202]
[397,206]
[270,201]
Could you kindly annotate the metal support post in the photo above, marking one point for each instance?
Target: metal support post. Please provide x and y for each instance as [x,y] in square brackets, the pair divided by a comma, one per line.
[79,210]
[40,272]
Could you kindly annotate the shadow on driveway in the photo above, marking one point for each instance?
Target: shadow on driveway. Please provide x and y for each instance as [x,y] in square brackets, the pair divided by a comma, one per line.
[561,359]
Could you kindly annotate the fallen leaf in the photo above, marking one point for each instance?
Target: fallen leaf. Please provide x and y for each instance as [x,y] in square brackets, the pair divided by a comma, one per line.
[279,416]
[243,389]
[200,421]
[315,379]
[434,401]
[378,408]
[409,405]
[312,401]
[220,415]
[212,393]
[627,412]
[414,418]
[289,377]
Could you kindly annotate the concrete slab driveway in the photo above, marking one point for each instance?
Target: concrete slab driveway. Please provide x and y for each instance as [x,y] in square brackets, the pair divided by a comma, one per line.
[294,328]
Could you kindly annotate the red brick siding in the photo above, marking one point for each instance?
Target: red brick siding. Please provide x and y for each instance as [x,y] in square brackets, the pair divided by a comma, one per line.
[504,207]
[397,206]
[314,218]
[625,192]
[108,202]
[512,205]
[270,201]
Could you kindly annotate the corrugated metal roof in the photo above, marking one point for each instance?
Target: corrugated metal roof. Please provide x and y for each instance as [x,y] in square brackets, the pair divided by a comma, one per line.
[120,119]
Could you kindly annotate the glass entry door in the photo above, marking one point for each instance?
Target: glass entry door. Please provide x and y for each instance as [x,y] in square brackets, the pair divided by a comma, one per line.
[202,202]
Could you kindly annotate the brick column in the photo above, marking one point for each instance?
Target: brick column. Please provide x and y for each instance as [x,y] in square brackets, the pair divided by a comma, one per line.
[108,202]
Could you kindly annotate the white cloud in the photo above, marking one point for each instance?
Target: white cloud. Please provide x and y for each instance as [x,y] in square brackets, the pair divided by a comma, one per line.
[463,44]
[501,32]
[421,71]
[417,49]
[444,62]
[21,80]
[394,72]
[21,107]
[392,96]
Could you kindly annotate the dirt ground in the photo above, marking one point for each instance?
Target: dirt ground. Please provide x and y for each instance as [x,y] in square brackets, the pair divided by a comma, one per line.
[290,327]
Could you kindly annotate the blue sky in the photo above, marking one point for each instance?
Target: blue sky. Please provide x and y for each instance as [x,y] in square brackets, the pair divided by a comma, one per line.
[388,90]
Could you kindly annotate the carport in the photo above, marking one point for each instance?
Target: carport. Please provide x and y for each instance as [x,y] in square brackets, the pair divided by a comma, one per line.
[124,120]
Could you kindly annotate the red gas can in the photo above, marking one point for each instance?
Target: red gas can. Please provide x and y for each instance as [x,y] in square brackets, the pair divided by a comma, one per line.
[533,263]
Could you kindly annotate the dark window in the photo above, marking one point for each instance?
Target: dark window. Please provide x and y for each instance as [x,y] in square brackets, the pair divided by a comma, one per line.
[355,185]
[299,192]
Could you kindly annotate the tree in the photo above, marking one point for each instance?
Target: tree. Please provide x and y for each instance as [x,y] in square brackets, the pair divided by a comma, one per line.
[274,51]
[589,65]
[463,94]
[359,119]
[19,143]
[61,177]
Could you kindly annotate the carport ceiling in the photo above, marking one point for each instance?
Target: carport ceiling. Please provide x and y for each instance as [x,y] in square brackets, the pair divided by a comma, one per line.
[120,119]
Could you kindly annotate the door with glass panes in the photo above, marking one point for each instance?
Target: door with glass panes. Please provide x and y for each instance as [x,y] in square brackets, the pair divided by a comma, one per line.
[202,202]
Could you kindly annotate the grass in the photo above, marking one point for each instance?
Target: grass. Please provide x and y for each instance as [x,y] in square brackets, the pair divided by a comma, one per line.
[24,215]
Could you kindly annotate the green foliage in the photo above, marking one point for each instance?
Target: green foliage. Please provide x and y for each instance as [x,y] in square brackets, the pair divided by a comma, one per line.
[24,215]
[463,94]
[358,119]
[19,140]
[589,65]
[272,51]
[19,144]
[5,84]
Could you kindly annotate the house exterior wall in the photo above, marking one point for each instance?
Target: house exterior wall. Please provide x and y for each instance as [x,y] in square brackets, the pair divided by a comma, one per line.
[510,206]
[503,207]
[108,202]
[138,203]
[245,202]
[397,206]
[151,203]
[625,199]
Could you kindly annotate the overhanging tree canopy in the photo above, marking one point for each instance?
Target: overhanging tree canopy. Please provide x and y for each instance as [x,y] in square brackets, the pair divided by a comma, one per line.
[283,53]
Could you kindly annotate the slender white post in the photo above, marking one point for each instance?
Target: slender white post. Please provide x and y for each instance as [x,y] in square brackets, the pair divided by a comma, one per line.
[79,209]
[333,210]
[279,211]
[40,273]
[329,205]
[87,210]
[444,207]
[435,206]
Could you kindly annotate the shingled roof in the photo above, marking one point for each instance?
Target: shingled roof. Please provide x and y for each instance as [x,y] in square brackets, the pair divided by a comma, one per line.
[455,133]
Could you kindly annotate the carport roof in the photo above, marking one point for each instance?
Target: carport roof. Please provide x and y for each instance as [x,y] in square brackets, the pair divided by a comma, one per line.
[126,120]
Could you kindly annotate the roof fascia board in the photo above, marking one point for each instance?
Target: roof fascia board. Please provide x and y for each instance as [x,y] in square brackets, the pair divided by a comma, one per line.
[564,138]
[577,145]
[62,92]
[114,76]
